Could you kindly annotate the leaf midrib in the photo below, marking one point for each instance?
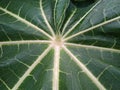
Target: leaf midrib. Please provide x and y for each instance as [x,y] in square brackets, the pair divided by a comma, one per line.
[25,22]
[85,70]
[87,13]
[25,42]
[45,19]
[30,69]
[93,47]
[92,28]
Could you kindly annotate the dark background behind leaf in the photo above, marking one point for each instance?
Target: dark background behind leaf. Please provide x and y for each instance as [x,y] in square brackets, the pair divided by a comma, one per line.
[83,3]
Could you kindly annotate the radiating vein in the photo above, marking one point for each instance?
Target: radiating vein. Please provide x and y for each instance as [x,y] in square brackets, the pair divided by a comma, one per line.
[71,29]
[46,21]
[63,14]
[31,68]
[93,47]
[56,1]
[25,42]
[25,21]
[85,70]
[93,27]
[56,68]
[5,84]
[66,24]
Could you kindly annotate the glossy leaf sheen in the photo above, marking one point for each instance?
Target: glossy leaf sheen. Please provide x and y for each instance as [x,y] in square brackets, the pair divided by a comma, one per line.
[54,45]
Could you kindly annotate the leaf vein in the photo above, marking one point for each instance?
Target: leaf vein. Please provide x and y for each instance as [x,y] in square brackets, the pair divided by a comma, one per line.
[85,69]
[46,21]
[93,47]
[31,68]
[94,27]
[71,29]
[25,22]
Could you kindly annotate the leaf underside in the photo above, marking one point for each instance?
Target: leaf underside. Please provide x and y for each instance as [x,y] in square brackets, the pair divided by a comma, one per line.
[54,45]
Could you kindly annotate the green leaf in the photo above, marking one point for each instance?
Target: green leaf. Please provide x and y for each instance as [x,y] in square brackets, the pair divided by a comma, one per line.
[54,45]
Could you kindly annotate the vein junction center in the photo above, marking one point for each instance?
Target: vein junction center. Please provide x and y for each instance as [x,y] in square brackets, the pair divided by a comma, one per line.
[57,41]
